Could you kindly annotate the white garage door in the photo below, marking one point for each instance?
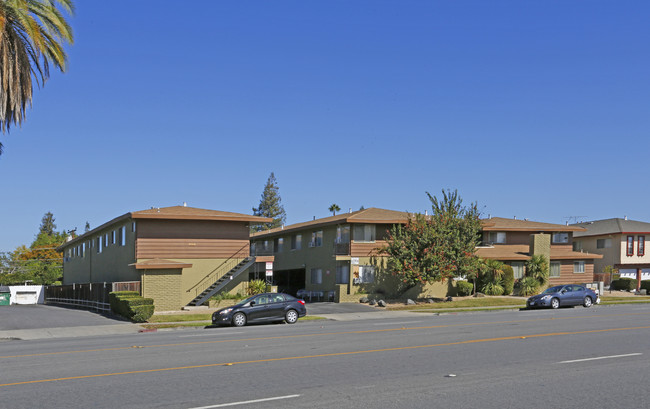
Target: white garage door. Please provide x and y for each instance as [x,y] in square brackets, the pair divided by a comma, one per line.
[26,297]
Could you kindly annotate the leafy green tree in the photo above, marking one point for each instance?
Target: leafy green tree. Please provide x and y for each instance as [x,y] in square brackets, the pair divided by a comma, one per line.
[270,206]
[334,208]
[437,247]
[32,34]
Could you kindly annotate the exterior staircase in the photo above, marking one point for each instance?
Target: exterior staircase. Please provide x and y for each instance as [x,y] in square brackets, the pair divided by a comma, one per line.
[223,280]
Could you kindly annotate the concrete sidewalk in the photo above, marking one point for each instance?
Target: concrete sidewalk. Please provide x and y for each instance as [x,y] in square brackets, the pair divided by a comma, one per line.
[69,332]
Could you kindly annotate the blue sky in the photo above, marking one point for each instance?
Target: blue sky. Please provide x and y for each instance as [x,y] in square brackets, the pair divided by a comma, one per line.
[534,109]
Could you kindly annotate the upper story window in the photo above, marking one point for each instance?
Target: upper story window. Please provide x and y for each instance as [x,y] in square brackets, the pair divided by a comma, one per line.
[630,245]
[498,237]
[113,235]
[316,239]
[296,242]
[133,227]
[342,234]
[364,233]
[278,245]
[122,236]
[99,244]
[560,237]
[640,249]
[603,243]
[577,245]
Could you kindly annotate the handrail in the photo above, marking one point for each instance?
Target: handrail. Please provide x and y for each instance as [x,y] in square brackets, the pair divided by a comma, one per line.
[219,267]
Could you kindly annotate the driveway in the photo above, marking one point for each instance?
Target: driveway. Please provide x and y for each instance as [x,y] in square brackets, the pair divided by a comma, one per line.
[20,317]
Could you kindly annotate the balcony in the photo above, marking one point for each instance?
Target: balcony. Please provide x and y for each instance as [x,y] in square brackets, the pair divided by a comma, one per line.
[341,249]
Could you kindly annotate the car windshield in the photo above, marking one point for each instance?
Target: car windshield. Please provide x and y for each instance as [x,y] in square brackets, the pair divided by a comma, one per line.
[552,290]
[249,299]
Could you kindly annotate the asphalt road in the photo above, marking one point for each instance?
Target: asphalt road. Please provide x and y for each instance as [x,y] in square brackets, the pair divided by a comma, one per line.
[510,359]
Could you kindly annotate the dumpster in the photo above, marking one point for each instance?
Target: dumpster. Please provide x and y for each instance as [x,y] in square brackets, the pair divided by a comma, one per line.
[5,295]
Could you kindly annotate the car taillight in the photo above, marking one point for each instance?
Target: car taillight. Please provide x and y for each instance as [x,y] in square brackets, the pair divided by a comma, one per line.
[301,302]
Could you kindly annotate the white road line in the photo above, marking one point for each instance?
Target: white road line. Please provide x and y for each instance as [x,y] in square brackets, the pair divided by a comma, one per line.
[209,335]
[599,357]
[223,405]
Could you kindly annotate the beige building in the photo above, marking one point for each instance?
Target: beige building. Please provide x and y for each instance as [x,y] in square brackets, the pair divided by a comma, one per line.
[336,258]
[178,255]
[514,241]
[622,243]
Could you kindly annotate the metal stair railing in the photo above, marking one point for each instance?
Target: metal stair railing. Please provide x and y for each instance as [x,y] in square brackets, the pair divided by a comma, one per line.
[223,281]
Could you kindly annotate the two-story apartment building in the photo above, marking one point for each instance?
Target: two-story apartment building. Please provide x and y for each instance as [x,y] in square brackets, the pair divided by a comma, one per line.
[177,253]
[622,243]
[514,241]
[336,258]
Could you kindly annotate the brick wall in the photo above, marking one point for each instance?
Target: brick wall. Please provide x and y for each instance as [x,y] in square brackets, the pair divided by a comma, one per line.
[164,287]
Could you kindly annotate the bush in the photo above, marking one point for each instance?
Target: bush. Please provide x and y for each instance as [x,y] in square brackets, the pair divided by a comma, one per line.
[130,305]
[645,284]
[626,284]
[508,280]
[256,287]
[493,288]
[527,286]
[464,288]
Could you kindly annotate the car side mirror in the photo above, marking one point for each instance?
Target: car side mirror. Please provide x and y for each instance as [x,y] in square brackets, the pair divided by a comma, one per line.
[250,304]
[563,291]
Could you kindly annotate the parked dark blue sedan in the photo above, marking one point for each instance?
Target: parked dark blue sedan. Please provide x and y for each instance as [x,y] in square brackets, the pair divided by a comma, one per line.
[273,307]
[564,295]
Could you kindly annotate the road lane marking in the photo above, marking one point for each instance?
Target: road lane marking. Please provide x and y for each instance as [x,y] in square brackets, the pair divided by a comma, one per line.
[224,405]
[208,335]
[333,354]
[401,323]
[599,357]
[317,335]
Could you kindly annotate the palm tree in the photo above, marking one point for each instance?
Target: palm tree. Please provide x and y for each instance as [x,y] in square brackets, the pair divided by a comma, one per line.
[334,208]
[32,33]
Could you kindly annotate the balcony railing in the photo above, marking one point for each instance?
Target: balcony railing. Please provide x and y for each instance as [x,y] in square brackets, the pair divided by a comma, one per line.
[341,249]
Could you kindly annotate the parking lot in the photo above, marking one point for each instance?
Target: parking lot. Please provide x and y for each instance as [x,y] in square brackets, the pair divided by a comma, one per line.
[17,317]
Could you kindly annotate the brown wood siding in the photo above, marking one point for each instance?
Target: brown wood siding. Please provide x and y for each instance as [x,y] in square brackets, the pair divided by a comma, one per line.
[365,249]
[190,248]
[567,276]
[192,229]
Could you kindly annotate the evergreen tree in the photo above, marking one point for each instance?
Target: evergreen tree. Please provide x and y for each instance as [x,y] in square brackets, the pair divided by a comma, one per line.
[47,224]
[87,228]
[270,206]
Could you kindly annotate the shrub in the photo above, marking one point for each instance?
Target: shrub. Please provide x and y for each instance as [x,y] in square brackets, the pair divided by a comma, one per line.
[256,287]
[130,305]
[537,267]
[628,284]
[464,288]
[493,288]
[508,281]
[645,284]
[527,286]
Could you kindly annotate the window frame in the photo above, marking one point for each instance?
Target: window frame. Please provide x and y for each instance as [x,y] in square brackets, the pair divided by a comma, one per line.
[497,235]
[559,269]
[640,246]
[630,246]
[581,266]
[563,234]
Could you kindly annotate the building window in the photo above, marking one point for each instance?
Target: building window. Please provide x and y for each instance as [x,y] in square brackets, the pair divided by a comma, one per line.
[316,239]
[83,249]
[342,274]
[123,236]
[296,242]
[560,238]
[518,268]
[630,245]
[603,243]
[366,274]
[364,233]
[578,267]
[99,244]
[106,240]
[316,276]
[342,234]
[640,249]
[577,245]
[555,269]
[113,234]
[278,244]
[498,237]
[133,227]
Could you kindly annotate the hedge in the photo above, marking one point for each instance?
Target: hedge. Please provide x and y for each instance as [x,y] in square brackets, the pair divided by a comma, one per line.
[628,284]
[508,280]
[130,305]
[645,284]
[464,288]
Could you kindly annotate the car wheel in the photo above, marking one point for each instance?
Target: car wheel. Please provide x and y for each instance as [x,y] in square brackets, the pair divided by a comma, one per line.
[291,317]
[239,319]
[587,302]
[555,303]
